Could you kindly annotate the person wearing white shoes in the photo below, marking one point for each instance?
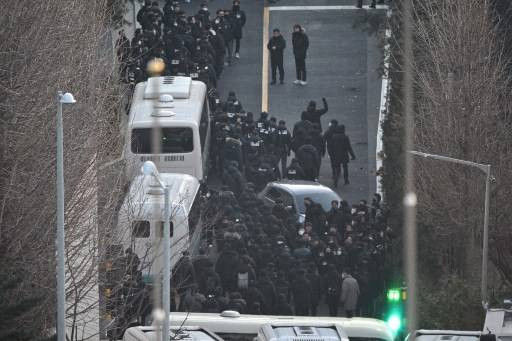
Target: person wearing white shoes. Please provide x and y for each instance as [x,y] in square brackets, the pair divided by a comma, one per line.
[300,44]
[238,20]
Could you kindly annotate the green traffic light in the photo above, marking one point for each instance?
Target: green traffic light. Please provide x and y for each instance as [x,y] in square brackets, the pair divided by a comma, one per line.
[394,322]
[393,295]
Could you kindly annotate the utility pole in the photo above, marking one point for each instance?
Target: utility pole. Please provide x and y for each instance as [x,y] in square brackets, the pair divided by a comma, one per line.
[485,240]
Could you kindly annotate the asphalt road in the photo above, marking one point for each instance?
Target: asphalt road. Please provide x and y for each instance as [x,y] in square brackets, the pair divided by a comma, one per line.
[342,63]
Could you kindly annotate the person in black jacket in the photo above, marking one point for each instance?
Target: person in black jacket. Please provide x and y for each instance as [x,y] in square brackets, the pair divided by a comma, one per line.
[238,21]
[300,43]
[222,25]
[301,290]
[276,45]
[312,114]
[283,145]
[295,171]
[141,14]
[309,159]
[339,150]
[333,125]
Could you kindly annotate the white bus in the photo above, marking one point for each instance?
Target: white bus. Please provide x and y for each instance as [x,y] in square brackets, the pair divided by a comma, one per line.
[140,219]
[150,333]
[178,106]
[230,325]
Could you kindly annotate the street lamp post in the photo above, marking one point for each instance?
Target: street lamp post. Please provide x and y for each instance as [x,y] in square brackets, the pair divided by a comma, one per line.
[149,168]
[66,98]
[485,242]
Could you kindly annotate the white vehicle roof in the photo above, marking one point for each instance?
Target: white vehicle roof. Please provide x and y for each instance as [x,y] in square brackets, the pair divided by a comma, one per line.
[182,188]
[189,333]
[233,322]
[499,321]
[448,332]
[314,331]
[301,187]
[167,99]
[446,335]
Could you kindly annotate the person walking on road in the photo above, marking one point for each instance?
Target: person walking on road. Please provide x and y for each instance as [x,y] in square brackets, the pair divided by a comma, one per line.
[349,294]
[300,43]
[238,21]
[309,160]
[276,46]
[339,149]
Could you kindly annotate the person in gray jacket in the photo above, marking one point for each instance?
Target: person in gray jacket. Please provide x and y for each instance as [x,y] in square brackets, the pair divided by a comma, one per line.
[349,294]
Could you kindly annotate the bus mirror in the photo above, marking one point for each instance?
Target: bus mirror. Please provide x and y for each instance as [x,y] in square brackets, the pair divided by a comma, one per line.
[488,337]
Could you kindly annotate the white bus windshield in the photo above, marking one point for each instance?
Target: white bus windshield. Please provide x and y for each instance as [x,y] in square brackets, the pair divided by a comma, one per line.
[174,140]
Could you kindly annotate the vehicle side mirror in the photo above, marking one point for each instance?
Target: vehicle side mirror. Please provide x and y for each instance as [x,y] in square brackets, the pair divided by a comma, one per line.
[488,337]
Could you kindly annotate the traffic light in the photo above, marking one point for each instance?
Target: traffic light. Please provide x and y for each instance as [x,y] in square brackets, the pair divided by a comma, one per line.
[394,321]
[393,295]
[394,316]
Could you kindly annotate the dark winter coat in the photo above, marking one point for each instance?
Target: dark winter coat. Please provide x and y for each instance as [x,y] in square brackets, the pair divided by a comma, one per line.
[237,22]
[339,147]
[295,172]
[276,46]
[283,140]
[309,160]
[301,289]
[313,115]
[300,43]
[304,125]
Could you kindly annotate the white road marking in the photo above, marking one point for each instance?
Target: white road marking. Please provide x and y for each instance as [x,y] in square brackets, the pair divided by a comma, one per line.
[320,8]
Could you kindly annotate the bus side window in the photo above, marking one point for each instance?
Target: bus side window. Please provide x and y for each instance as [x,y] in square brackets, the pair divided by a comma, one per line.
[203,125]
[193,216]
[160,229]
[140,229]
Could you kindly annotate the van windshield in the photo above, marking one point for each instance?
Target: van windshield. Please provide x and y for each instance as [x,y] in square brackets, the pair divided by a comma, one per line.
[173,140]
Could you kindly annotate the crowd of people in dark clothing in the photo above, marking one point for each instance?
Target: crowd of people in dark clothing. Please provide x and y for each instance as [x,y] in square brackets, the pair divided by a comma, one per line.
[257,259]
[198,46]
[259,148]
[265,262]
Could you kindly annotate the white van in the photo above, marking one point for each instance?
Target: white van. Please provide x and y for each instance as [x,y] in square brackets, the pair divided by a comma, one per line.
[231,325]
[178,106]
[140,219]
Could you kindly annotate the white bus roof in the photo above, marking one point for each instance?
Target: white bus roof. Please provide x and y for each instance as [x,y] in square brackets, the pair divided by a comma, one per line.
[233,322]
[189,333]
[167,99]
[182,188]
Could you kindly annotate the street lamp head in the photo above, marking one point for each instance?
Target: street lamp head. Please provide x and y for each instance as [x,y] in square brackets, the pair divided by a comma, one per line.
[67,98]
[149,168]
